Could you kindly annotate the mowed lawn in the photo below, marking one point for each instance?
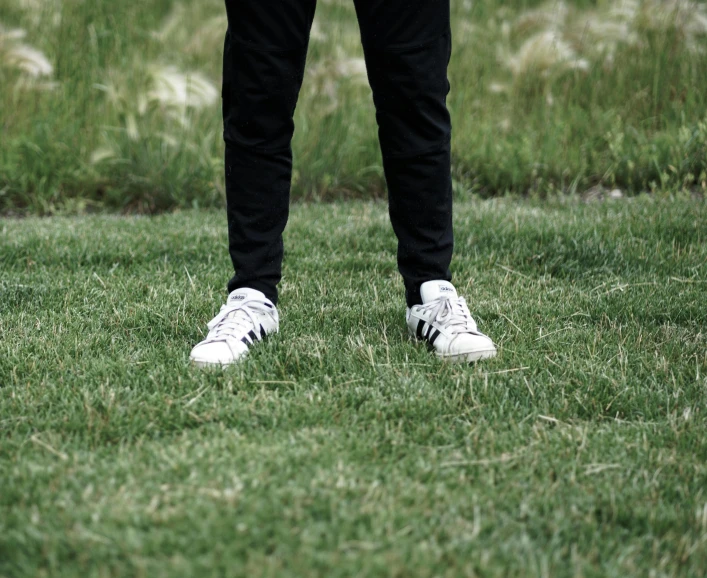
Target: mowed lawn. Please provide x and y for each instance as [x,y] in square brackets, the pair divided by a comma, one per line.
[341,447]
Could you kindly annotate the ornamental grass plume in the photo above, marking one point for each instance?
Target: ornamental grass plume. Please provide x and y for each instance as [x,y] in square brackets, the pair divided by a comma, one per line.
[15,54]
[178,90]
[29,60]
[158,104]
[326,76]
[544,52]
[557,37]
[194,29]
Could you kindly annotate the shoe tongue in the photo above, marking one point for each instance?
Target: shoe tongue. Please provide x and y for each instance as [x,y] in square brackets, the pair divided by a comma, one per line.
[246,294]
[432,290]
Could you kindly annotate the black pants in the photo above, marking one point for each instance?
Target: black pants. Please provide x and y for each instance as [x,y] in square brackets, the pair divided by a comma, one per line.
[407,45]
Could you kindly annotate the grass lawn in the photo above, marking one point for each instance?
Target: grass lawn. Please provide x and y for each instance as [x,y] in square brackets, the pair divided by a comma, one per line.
[341,447]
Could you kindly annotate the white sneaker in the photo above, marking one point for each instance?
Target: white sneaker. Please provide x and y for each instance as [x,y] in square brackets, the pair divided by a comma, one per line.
[444,321]
[248,316]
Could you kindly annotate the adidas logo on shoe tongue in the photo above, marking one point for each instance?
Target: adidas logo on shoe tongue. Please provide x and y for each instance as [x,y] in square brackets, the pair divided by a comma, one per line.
[438,289]
[247,294]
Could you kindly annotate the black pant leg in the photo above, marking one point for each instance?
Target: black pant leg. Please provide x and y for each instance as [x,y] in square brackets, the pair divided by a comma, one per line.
[407,45]
[264,56]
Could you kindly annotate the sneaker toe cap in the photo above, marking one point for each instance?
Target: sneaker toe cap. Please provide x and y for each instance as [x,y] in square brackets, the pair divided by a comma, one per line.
[471,343]
[218,353]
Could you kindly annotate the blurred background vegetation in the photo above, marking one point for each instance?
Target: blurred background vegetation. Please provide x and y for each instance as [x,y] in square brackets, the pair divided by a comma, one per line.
[117,104]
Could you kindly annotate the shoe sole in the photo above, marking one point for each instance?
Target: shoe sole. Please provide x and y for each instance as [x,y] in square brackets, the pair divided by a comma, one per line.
[468,357]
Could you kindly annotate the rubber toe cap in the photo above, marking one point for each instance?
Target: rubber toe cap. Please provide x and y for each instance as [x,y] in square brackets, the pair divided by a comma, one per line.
[470,343]
[217,353]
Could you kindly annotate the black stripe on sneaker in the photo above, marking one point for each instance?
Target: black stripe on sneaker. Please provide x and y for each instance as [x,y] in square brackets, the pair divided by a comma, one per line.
[250,338]
[420,326]
[427,332]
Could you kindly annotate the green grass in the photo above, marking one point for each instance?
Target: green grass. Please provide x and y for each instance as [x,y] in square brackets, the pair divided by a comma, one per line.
[631,116]
[340,447]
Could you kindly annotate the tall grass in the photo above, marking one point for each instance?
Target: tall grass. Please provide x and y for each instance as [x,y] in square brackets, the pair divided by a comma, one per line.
[115,104]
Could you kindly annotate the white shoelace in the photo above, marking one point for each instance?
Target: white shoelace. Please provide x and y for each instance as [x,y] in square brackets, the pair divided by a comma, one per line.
[452,313]
[233,322]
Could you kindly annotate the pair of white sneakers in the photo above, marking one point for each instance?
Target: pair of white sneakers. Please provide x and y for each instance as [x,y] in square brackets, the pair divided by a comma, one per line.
[442,320]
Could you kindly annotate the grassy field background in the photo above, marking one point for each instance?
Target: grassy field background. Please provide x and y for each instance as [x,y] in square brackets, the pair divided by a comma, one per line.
[340,447]
[116,104]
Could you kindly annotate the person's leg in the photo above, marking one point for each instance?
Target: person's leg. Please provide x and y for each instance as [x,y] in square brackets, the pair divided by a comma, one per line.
[407,44]
[263,65]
